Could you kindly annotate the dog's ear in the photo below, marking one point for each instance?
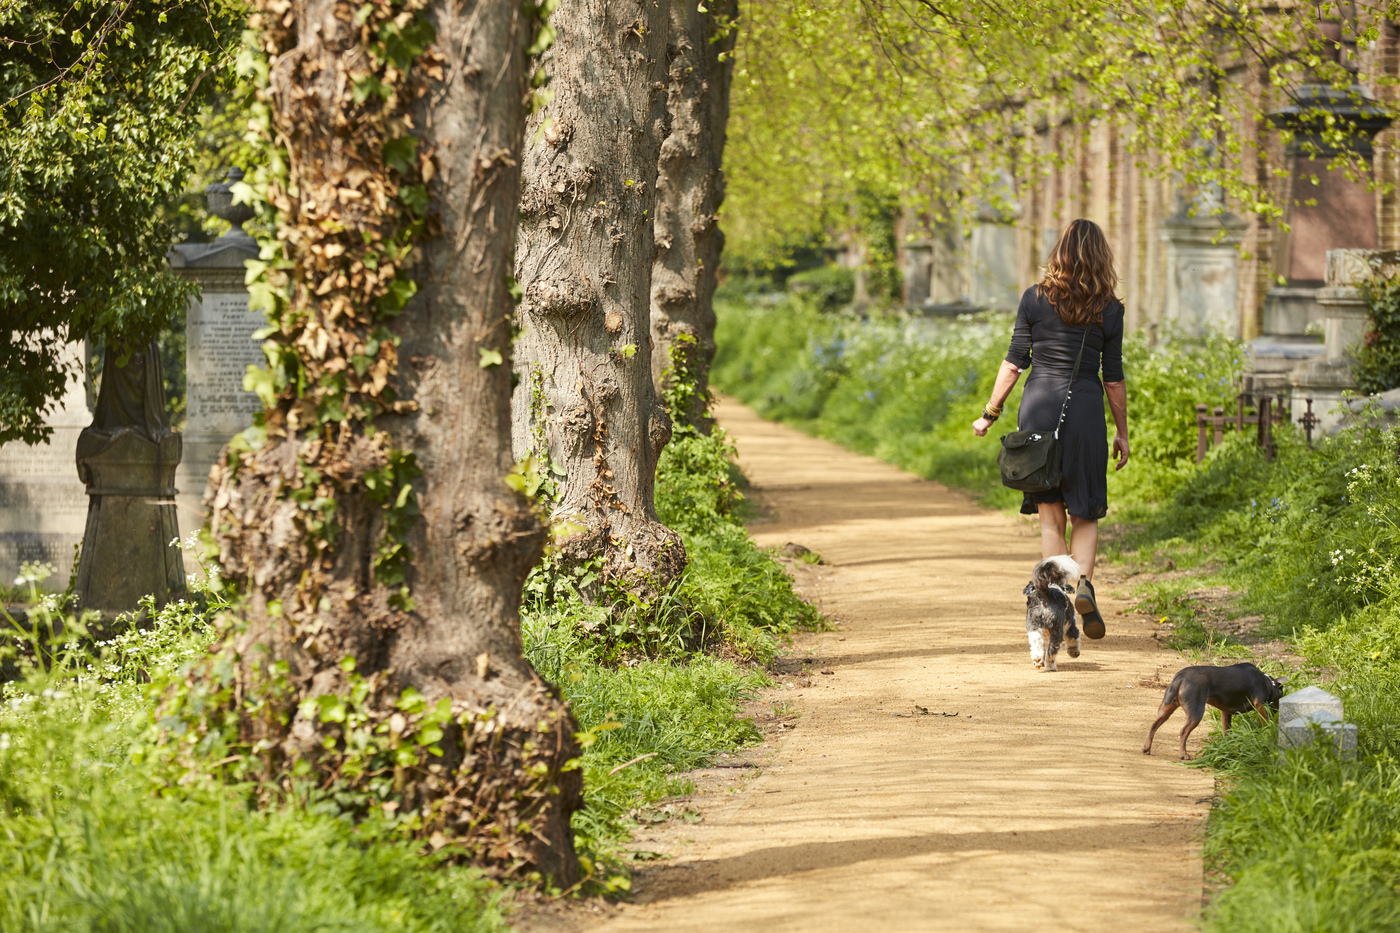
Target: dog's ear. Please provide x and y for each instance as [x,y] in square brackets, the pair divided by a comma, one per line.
[1030,588]
[1040,577]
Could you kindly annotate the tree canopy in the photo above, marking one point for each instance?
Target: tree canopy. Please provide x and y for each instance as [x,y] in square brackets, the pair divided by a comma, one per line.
[100,105]
[895,96]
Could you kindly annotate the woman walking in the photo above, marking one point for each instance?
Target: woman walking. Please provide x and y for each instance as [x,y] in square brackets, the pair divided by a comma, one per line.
[1072,307]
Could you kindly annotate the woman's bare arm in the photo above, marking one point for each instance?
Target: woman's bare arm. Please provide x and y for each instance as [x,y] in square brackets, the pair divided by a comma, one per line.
[1001,390]
[1117,393]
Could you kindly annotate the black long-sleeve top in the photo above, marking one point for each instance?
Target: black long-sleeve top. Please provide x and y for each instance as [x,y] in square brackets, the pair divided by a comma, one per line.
[1043,339]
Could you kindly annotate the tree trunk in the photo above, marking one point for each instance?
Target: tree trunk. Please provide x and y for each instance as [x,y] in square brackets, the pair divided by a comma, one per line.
[378,550]
[689,191]
[585,399]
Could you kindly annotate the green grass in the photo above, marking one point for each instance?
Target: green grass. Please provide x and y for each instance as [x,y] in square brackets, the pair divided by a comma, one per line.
[94,836]
[98,834]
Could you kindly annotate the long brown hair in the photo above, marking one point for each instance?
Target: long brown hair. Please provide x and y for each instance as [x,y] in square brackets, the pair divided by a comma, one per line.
[1079,278]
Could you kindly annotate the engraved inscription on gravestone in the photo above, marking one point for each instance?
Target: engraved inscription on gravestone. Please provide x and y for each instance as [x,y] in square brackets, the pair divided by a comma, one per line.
[219,346]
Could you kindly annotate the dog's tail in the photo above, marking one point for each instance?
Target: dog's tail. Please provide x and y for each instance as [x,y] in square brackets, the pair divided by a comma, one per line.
[1173,688]
[1060,569]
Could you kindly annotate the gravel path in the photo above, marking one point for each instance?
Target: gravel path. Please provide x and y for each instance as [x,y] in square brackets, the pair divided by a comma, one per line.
[1033,807]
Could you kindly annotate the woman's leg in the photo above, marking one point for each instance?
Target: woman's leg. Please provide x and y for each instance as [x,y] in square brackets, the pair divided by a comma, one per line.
[1083,543]
[1052,528]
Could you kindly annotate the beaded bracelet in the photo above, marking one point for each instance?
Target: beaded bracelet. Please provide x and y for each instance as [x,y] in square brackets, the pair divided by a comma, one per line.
[989,415]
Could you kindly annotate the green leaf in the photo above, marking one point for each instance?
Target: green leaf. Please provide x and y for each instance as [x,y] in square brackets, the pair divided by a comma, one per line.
[489,358]
[400,153]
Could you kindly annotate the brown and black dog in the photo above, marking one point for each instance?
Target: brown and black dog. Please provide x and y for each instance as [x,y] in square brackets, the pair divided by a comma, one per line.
[1232,689]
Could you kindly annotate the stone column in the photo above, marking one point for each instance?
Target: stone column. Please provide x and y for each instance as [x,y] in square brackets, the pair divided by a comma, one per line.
[219,348]
[1345,314]
[42,505]
[1203,270]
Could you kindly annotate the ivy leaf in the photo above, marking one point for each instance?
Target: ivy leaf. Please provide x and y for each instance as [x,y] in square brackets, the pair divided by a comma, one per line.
[400,153]
[362,86]
[415,198]
[489,358]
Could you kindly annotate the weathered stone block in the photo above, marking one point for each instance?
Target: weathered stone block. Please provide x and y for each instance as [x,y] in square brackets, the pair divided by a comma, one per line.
[1302,702]
[1300,732]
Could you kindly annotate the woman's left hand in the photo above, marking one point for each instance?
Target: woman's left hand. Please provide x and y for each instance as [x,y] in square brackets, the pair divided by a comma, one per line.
[1120,450]
[980,426]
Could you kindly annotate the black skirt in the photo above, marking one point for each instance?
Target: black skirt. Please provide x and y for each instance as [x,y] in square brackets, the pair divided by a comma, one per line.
[1083,440]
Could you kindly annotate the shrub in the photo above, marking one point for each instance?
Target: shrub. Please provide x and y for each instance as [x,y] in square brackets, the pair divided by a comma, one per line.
[1378,358]
[830,287]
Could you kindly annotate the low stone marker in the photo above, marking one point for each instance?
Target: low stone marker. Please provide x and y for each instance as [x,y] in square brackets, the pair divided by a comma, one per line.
[1300,711]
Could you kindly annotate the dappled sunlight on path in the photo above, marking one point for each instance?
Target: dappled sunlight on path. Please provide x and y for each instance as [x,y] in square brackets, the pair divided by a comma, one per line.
[1033,807]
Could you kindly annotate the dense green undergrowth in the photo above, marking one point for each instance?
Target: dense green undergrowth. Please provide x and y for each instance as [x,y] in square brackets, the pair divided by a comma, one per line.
[1307,542]
[98,833]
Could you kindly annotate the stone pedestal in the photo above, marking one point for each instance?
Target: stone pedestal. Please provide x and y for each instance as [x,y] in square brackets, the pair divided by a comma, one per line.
[1289,312]
[1345,314]
[1203,273]
[127,552]
[219,348]
[1307,701]
[42,505]
[993,268]
[933,271]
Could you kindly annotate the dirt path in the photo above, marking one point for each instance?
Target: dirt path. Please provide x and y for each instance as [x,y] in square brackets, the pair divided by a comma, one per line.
[1033,807]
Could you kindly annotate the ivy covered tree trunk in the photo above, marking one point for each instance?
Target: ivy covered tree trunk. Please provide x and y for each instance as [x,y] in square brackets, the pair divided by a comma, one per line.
[689,191]
[585,405]
[368,525]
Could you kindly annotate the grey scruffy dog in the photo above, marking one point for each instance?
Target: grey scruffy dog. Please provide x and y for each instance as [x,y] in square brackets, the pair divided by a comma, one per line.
[1050,610]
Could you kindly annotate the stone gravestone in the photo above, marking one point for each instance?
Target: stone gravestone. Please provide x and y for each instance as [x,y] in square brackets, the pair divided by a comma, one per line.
[1302,713]
[43,506]
[1203,268]
[219,347]
[127,459]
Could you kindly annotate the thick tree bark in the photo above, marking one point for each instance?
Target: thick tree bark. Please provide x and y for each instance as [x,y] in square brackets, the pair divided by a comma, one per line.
[585,398]
[689,191]
[366,619]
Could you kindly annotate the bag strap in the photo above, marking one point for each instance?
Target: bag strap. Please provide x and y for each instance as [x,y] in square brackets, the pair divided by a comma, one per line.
[1072,379]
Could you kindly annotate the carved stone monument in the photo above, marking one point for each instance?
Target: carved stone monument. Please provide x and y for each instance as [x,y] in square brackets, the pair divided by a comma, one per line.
[1325,209]
[1326,380]
[1203,268]
[42,505]
[127,459]
[993,259]
[219,347]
